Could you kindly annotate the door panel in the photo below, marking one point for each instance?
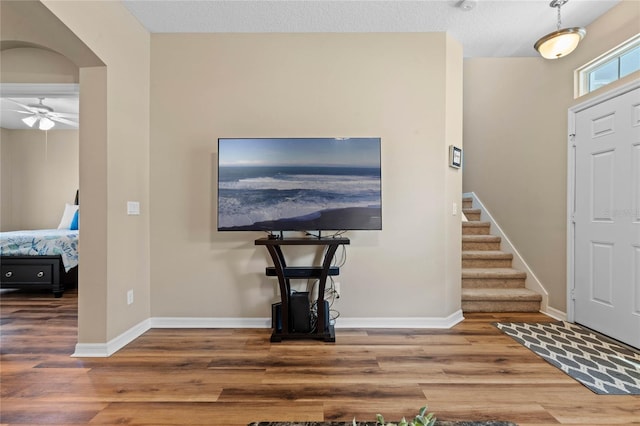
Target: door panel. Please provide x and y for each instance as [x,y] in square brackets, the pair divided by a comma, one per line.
[602,274]
[602,176]
[607,218]
[636,182]
[636,272]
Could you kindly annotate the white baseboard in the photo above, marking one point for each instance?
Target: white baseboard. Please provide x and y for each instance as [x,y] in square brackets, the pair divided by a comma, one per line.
[103,350]
[555,313]
[187,322]
[417,322]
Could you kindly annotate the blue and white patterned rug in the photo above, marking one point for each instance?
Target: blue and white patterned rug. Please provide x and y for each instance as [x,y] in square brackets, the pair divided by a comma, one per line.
[598,363]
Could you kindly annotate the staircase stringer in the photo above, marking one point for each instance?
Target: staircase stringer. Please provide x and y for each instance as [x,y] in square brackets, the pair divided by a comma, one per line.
[532,282]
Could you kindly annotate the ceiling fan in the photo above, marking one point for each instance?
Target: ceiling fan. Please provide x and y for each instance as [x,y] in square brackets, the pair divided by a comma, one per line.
[44,115]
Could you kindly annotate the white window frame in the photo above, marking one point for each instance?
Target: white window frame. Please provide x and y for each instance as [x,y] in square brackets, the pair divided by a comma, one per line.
[581,75]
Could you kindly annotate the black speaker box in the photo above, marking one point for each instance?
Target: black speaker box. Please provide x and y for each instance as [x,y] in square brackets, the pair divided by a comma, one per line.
[326,315]
[299,311]
[276,316]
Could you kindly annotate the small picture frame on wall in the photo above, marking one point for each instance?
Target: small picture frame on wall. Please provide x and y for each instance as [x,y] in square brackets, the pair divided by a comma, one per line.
[455,157]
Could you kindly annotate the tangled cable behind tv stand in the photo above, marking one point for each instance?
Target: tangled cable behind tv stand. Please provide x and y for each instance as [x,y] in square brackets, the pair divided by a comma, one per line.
[279,235]
[331,292]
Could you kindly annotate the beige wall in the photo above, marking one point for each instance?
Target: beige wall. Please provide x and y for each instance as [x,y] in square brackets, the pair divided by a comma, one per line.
[453,183]
[6,186]
[32,65]
[405,88]
[39,175]
[114,166]
[28,24]
[515,135]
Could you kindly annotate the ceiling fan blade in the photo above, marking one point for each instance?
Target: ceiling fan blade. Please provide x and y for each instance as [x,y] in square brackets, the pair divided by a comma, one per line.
[63,115]
[20,112]
[26,107]
[64,121]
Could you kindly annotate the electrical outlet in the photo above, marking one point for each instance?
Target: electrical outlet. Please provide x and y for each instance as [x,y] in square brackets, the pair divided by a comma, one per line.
[130,297]
[336,289]
[454,211]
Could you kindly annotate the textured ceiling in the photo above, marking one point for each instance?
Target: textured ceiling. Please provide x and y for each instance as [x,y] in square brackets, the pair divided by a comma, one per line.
[491,28]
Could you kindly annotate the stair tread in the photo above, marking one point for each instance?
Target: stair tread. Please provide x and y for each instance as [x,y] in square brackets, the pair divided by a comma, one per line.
[471,210]
[486,254]
[492,273]
[500,294]
[481,238]
[474,223]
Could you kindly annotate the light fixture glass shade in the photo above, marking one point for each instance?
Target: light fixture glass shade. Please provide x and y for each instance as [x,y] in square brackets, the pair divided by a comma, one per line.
[46,124]
[560,43]
[30,120]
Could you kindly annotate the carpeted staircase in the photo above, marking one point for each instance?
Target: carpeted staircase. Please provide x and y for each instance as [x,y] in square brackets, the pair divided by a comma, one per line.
[489,283]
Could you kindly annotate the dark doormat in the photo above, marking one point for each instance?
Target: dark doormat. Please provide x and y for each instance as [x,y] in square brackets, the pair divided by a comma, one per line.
[600,364]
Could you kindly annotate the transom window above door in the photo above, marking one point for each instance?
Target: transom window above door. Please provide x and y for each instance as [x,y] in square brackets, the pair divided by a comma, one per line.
[613,65]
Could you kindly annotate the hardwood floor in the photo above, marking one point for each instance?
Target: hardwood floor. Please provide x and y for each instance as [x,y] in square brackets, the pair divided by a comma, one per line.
[236,376]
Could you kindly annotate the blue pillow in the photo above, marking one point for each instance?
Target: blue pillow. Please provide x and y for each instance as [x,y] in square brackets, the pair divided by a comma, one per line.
[74,221]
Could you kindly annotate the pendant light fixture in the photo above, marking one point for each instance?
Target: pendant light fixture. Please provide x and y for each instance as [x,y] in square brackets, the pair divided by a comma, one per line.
[561,42]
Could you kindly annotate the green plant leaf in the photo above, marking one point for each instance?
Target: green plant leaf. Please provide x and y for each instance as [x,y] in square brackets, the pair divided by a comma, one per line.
[422,419]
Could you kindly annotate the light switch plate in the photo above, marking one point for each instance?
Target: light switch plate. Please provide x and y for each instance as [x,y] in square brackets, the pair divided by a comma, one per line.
[133,208]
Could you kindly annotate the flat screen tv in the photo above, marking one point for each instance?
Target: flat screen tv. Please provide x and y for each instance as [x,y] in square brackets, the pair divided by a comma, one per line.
[299,184]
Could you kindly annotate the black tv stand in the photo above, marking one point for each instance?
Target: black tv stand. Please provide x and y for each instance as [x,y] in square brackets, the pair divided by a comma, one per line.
[285,274]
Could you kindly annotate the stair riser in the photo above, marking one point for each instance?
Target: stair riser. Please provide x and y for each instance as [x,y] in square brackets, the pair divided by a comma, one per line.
[479,246]
[507,306]
[467,203]
[486,263]
[492,283]
[472,216]
[475,230]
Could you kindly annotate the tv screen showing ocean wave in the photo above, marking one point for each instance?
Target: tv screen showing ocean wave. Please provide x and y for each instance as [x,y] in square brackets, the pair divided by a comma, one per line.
[299,184]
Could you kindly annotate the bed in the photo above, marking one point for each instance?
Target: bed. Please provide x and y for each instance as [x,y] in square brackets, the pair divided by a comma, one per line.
[46,258]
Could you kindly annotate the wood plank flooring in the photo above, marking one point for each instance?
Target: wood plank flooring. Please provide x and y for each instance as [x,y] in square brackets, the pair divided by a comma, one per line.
[235,376]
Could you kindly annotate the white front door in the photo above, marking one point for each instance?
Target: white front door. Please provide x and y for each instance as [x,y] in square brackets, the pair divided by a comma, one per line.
[607,218]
